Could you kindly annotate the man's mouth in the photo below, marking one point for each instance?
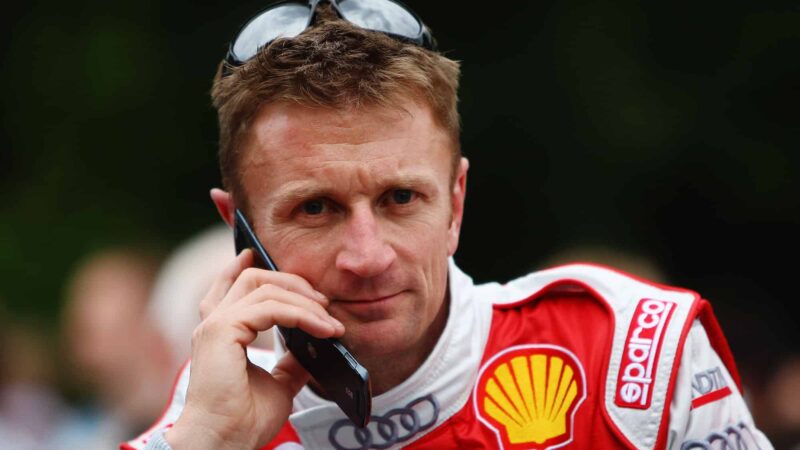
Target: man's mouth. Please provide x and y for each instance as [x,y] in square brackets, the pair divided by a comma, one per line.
[368,307]
[368,299]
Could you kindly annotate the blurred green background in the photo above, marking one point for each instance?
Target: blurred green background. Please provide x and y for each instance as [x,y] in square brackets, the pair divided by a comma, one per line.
[667,129]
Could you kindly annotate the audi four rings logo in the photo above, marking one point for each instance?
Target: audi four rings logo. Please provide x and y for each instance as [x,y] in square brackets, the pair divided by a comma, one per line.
[397,425]
[645,336]
[733,437]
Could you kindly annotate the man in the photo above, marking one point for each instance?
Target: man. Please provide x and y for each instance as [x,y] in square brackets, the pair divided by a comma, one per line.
[340,144]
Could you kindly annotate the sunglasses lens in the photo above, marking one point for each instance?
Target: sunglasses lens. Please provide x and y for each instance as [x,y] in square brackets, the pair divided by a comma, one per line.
[381,15]
[287,21]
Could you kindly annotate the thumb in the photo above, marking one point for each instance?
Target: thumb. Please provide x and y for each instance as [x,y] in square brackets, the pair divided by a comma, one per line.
[290,374]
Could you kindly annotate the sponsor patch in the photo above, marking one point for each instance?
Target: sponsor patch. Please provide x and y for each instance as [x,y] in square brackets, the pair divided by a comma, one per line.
[708,381]
[640,355]
[396,426]
[528,395]
[709,386]
[734,437]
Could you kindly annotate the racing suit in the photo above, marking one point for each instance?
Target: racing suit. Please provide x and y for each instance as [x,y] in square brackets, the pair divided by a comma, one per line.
[578,356]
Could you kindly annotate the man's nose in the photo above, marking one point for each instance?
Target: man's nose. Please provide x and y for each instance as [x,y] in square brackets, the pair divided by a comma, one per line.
[365,251]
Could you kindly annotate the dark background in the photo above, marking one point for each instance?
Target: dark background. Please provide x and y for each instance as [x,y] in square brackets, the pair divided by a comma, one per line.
[665,129]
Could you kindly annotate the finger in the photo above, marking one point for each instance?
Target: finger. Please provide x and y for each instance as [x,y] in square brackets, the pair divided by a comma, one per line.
[290,373]
[224,281]
[271,292]
[263,316]
[232,271]
[252,278]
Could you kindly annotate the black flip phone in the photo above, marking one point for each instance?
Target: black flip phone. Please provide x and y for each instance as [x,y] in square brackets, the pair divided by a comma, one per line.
[340,375]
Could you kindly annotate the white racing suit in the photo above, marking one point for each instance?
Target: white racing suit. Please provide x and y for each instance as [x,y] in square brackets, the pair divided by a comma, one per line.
[578,356]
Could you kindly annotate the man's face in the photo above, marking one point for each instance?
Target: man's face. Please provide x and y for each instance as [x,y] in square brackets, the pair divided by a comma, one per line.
[360,204]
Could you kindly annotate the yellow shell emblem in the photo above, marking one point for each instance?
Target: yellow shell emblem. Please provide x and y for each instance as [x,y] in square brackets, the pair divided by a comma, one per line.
[528,395]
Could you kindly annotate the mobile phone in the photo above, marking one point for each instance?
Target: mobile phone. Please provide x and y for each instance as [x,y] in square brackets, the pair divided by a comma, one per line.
[341,376]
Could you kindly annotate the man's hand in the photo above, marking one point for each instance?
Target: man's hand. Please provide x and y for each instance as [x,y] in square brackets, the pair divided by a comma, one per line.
[231,403]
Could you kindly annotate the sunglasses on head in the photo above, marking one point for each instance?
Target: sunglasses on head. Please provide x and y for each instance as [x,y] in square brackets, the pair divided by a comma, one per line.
[287,19]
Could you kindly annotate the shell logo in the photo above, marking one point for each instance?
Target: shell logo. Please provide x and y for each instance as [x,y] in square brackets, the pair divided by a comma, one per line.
[528,395]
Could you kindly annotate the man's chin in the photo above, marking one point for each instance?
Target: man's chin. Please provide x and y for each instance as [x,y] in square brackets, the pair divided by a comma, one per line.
[375,340]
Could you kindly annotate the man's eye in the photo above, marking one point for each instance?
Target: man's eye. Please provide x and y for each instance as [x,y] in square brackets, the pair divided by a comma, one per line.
[313,207]
[402,196]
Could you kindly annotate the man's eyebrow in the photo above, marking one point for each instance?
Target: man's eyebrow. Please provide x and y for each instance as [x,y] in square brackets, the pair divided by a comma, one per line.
[293,194]
[409,181]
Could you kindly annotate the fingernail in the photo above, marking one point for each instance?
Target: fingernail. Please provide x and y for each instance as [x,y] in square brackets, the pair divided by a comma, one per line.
[320,295]
[335,322]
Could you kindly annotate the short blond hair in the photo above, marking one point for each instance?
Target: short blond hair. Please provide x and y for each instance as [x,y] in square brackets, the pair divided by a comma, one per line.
[332,64]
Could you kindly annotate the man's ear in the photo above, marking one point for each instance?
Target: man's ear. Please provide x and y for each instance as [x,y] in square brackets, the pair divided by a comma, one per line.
[224,203]
[457,198]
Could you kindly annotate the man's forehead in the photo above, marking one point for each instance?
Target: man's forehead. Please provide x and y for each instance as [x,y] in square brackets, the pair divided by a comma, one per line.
[315,186]
[284,132]
[281,121]
[302,152]
[293,113]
